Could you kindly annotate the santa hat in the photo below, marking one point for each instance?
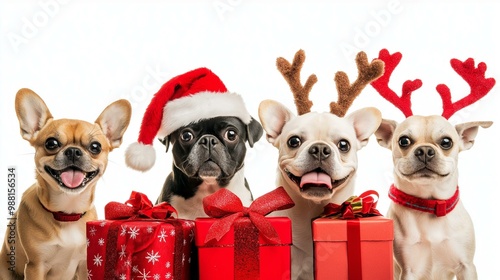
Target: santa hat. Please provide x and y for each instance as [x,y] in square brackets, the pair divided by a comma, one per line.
[185,99]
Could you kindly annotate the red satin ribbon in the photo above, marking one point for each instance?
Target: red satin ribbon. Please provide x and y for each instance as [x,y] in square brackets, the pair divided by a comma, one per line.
[351,210]
[247,223]
[363,205]
[138,206]
[354,269]
[227,207]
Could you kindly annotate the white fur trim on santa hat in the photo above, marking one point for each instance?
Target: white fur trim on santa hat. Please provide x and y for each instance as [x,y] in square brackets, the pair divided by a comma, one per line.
[140,157]
[203,105]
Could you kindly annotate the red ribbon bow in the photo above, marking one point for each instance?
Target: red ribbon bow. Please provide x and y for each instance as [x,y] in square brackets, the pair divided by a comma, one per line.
[227,207]
[138,206]
[363,205]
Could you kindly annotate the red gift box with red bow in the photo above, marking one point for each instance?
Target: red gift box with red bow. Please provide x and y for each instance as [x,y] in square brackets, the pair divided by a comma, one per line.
[353,241]
[241,243]
[139,241]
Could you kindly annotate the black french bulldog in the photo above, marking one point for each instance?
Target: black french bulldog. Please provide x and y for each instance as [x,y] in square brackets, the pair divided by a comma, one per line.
[207,155]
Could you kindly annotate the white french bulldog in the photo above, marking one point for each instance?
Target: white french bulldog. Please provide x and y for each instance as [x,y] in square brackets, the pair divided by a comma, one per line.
[317,165]
[439,244]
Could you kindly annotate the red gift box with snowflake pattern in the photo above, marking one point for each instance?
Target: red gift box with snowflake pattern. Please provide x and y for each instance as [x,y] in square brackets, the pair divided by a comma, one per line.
[138,248]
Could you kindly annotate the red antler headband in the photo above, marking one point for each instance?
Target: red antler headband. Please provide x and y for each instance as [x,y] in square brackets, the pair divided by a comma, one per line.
[475,77]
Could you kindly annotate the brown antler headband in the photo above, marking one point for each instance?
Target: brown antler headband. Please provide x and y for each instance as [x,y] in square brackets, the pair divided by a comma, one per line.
[347,92]
[475,77]
[291,73]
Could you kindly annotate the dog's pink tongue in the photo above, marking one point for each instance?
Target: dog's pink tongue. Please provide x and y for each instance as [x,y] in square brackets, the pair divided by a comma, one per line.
[317,179]
[72,178]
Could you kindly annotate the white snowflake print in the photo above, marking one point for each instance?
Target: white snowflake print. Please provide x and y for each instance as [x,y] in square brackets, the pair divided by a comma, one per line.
[123,276]
[133,231]
[135,269]
[143,274]
[100,241]
[163,235]
[184,242]
[168,275]
[103,223]
[128,263]
[168,265]
[172,232]
[191,235]
[89,274]
[124,230]
[156,276]
[153,257]
[88,242]
[183,258]
[122,254]
[149,230]
[188,224]
[92,231]
[97,260]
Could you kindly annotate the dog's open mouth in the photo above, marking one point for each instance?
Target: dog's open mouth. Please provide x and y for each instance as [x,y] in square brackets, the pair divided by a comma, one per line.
[316,179]
[72,177]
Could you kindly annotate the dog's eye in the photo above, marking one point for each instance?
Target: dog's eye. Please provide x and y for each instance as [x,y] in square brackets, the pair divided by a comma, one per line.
[187,136]
[446,143]
[231,135]
[344,146]
[95,148]
[404,141]
[294,142]
[52,144]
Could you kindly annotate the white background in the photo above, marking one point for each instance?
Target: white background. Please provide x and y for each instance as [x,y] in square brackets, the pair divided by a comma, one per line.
[82,55]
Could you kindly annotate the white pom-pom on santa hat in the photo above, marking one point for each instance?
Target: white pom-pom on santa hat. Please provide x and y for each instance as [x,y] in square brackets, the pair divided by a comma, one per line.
[187,98]
[140,157]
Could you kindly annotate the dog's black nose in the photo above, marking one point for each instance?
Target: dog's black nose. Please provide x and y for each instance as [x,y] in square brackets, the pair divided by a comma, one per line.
[425,153]
[320,151]
[208,141]
[73,153]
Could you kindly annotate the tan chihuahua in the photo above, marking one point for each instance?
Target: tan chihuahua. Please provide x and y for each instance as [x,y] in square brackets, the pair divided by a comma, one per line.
[70,157]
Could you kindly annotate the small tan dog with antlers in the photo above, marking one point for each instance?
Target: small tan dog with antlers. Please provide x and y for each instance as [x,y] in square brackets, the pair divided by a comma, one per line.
[317,151]
[433,233]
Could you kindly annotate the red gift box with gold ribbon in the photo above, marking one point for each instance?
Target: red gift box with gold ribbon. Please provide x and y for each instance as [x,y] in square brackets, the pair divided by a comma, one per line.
[241,243]
[139,241]
[353,241]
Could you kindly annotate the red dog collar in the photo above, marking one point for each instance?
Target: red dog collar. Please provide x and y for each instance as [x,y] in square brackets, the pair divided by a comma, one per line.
[64,217]
[435,206]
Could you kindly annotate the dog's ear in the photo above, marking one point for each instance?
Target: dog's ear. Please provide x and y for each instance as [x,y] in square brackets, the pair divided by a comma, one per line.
[273,116]
[165,141]
[32,113]
[365,122]
[254,131]
[385,132]
[114,121]
[467,133]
